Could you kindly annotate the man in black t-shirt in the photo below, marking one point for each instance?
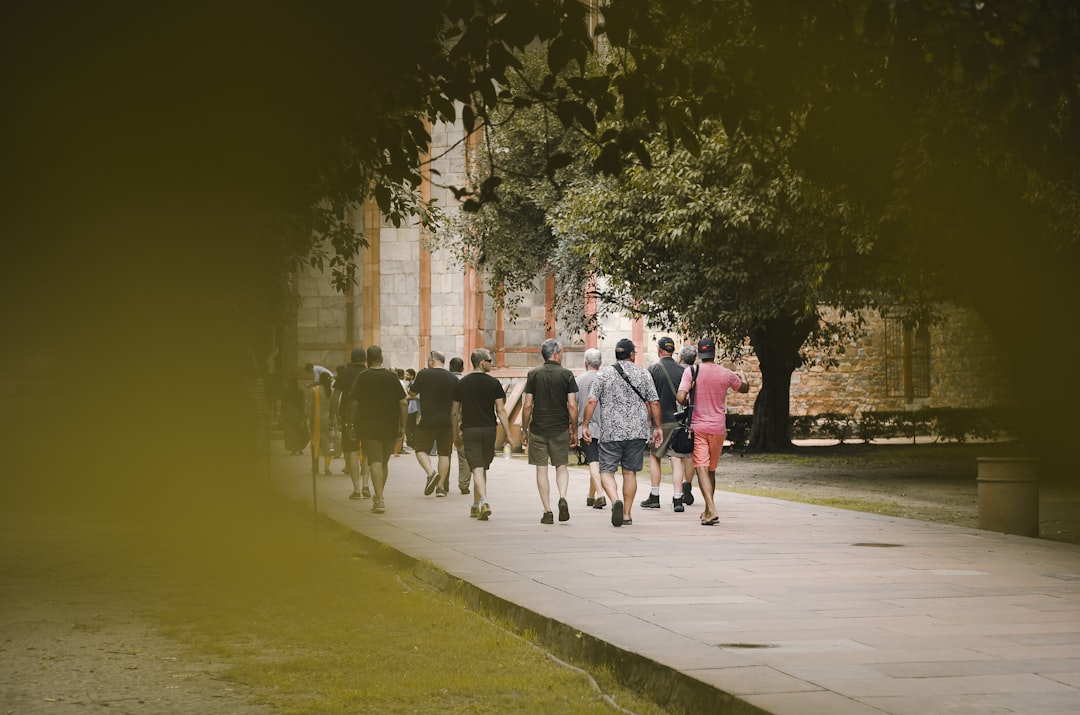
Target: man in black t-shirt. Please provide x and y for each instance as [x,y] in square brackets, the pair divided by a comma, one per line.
[435,386]
[478,399]
[666,375]
[380,419]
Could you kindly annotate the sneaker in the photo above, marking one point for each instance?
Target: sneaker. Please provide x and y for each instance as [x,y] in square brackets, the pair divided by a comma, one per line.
[474,511]
[653,502]
[547,518]
[356,495]
[564,510]
[378,507]
[366,493]
[464,490]
[687,493]
[677,504]
[440,492]
[616,513]
[627,522]
[485,512]
[600,503]
[432,482]
[589,501]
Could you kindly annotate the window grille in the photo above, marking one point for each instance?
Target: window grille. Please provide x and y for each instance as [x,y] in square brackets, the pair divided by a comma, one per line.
[907,360]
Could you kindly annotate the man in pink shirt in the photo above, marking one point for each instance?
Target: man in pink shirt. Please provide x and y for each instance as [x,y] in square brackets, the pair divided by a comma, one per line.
[708,385]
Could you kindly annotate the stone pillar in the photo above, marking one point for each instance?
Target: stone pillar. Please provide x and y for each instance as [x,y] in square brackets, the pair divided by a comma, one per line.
[1009,495]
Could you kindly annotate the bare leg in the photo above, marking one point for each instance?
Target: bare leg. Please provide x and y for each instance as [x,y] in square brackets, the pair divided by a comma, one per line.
[629,490]
[378,478]
[705,483]
[677,475]
[352,463]
[607,480]
[562,479]
[656,473]
[543,486]
[479,477]
[444,470]
[424,460]
[595,487]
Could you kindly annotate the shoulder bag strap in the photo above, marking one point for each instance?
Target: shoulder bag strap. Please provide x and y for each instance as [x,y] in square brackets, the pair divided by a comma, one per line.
[667,376]
[618,369]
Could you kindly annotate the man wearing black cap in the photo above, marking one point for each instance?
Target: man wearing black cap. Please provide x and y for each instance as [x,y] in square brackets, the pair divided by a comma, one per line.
[666,375]
[626,397]
[710,384]
[339,410]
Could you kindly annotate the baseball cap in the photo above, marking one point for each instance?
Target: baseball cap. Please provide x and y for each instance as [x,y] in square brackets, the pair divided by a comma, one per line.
[667,344]
[706,348]
[624,348]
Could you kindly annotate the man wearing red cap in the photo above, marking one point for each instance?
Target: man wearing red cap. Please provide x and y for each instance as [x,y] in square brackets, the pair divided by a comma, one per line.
[708,385]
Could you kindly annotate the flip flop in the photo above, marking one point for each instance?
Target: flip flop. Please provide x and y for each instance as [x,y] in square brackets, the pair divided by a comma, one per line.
[710,522]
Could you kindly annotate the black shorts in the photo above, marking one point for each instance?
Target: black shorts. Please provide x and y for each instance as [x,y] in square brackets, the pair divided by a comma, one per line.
[377,451]
[479,443]
[424,437]
[592,450]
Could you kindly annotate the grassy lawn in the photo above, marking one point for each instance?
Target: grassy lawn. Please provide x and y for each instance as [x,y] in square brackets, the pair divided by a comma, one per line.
[313,626]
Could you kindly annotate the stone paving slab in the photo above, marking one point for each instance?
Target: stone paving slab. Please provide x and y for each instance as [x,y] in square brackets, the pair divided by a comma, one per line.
[782,608]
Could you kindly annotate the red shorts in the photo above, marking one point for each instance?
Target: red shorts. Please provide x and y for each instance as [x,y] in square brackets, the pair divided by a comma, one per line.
[707,449]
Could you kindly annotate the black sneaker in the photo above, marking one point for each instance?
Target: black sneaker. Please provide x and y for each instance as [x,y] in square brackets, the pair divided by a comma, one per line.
[440,492]
[365,493]
[653,502]
[687,493]
[547,518]
[464,490]
[432,482]
[356,495]
[616,513]
[564,510]
[677,505]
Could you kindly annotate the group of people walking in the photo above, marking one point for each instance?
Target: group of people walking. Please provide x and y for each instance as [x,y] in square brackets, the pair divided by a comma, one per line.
[616,414]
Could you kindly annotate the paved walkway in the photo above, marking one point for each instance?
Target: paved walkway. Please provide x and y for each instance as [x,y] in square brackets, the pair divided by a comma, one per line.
[782,608]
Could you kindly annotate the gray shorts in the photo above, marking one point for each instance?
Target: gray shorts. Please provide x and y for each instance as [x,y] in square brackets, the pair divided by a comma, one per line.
[629,453]
[663,451]
[554,450]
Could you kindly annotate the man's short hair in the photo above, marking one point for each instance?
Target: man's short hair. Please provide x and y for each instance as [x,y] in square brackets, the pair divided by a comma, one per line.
[374,355]
[358,355]
[457,364]
[438,357]
[593,357]
[478,356]
[688,354]
[549,347]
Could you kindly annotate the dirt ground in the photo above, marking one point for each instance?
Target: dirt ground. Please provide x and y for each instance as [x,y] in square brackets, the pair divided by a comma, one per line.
[940,490]
[73,637]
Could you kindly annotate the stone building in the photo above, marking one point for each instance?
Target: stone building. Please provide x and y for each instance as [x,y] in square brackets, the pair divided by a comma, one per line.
[413,298]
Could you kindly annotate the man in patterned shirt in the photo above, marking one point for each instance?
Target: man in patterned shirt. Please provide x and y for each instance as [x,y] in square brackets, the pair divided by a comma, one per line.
[626,397]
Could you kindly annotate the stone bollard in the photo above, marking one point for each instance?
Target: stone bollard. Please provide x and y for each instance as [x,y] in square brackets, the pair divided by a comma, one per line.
[1009,495]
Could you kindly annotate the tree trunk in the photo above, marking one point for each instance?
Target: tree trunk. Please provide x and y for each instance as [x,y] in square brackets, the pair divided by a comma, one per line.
[777,344]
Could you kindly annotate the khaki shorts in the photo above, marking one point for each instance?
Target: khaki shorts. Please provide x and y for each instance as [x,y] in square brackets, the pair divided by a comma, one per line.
[663,450]
[554,450]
